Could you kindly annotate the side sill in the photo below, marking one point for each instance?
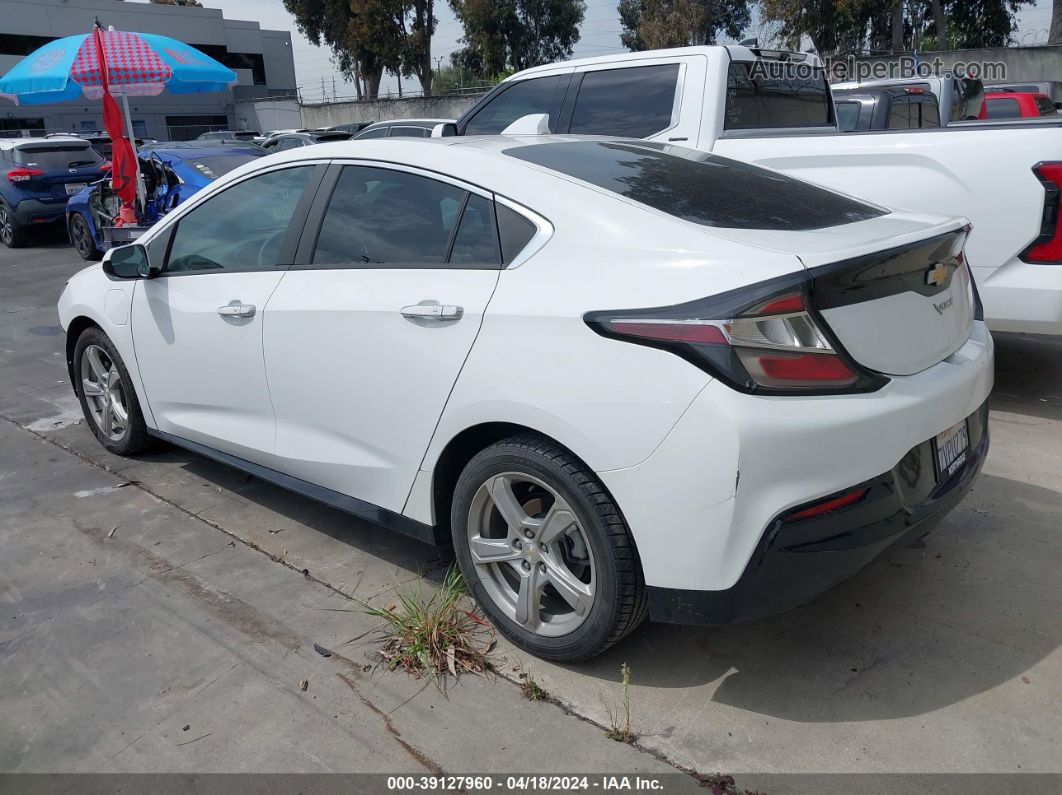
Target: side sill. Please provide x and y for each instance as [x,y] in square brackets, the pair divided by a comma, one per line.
[352,505]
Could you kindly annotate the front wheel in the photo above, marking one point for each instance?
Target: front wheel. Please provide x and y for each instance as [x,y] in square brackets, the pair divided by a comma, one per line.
[107,395]
[81,238]
[545,550]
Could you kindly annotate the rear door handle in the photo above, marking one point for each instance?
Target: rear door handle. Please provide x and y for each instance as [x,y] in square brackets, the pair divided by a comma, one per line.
[433,311]
[236,309]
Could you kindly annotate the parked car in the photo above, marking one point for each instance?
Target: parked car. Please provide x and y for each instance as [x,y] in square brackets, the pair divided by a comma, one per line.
[279,143]
[171,176]
[775,109]
[350,127]
[403,128]
[615,376]
[962,97]
[1050,88]
[1015,105]
[37,176]
[891,108]
[229,136]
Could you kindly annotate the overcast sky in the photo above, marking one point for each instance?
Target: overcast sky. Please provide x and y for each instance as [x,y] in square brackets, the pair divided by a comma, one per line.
[599,36]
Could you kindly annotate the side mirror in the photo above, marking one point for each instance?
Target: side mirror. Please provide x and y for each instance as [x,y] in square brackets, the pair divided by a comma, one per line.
[444,130]
[129,262]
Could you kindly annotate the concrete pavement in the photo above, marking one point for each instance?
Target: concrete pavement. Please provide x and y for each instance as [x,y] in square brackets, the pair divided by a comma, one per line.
[195,612]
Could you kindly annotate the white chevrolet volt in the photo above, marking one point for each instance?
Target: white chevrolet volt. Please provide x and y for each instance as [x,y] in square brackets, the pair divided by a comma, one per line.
[615,378]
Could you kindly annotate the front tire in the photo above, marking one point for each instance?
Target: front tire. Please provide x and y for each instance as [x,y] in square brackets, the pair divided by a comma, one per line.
[545,550]
[81,238]
[107,396]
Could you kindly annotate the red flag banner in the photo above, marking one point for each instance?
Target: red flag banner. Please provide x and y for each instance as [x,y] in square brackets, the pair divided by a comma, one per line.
[123,158]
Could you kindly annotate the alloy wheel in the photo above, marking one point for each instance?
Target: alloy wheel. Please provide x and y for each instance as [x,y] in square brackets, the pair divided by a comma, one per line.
[532,556]
[6,230]
[104,392]
[80,234]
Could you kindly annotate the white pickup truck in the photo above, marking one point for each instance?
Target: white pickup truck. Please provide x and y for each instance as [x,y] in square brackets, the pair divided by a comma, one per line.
[775,109]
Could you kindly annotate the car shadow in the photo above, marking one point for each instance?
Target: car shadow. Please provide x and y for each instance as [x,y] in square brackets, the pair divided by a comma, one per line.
[973,605]
[1028,375]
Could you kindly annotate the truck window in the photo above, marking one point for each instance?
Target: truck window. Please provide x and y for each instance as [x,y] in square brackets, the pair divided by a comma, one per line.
[697,186]
[969,97]
[1045,105]
[913,111]
[1003,109]
[847,116]
[927,111]
[774,94]
[635,102]
[537,95]
[899,114]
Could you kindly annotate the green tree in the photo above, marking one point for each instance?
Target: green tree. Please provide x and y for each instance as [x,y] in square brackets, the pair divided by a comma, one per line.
[369,37]
[510,35]
[655,24]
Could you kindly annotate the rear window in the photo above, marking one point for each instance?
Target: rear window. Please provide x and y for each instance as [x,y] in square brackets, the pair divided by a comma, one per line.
[847,116]
[1002,109]
[48,156]
[698,187]
[768,93]
[214,167]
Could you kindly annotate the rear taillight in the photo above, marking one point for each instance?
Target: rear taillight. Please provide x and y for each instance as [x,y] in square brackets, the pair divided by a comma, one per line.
[757,340]
[1047,248]
[23,174]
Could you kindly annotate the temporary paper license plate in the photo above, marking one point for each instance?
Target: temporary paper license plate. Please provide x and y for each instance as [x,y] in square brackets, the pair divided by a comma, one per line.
[74,187]
[951,448]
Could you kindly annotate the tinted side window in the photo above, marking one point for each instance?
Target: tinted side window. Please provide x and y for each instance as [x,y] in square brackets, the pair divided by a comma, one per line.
[476,243]
[925,112]
[774,94]
[378,217]
[537,95]
[410,132]
[240,228]
[847,116]
[899,114]
[376,132]
[514,231]
[635,102]
[1003,109]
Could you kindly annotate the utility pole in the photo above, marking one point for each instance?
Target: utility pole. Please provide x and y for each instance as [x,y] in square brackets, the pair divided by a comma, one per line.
[333,88]
[324,96]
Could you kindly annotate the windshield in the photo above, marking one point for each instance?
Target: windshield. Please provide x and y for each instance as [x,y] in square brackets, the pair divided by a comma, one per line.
[214,167]
[48,156]
[699,187]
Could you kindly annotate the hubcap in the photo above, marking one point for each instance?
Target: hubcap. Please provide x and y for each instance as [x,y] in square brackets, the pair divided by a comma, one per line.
[104,393]
[531,554]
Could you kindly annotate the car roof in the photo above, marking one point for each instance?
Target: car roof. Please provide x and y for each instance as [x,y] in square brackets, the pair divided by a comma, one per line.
[400,122]
[186,153]
[15,143]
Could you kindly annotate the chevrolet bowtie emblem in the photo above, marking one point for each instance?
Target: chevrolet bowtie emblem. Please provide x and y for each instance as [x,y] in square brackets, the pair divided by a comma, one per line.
[937,274]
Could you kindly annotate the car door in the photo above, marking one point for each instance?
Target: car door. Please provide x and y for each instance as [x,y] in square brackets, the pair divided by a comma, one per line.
[366,334]
[197,327]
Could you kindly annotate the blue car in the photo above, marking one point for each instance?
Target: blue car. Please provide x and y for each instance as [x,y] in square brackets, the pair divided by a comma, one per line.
[172,172]
[37,177]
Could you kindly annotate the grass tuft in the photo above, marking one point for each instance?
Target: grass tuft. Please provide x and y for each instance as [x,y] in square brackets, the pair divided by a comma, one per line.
[433,636]
[620,721]
[531,689]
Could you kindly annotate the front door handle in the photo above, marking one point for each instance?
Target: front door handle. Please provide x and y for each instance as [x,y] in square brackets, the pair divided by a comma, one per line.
[236,309]
[433,311]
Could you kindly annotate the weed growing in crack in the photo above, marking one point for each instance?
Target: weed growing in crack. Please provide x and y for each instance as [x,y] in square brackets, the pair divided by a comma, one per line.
[620,722]
[531,689]
[435,635]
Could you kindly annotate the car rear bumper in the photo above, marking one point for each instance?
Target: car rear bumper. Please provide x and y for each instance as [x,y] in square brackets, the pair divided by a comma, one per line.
[35,211]
[700,506]
[796,561]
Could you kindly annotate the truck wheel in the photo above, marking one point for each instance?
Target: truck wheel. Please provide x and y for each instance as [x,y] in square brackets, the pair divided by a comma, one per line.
[545,550]
[81,238]
[11,234]
[107,395]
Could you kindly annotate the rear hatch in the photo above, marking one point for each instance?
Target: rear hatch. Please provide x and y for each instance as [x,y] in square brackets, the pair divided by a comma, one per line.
[894,289]
[57,169]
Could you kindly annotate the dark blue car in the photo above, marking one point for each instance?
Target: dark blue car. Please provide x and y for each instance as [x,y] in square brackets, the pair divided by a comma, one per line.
[37,177]
[172,172]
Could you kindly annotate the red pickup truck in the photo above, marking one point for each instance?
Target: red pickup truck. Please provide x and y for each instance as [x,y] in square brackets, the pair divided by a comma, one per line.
[1015,105]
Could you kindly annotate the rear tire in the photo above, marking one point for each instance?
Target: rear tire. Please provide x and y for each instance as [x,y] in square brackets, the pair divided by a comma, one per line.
[545,550]
[11,234]
[81,239]
[107,396]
